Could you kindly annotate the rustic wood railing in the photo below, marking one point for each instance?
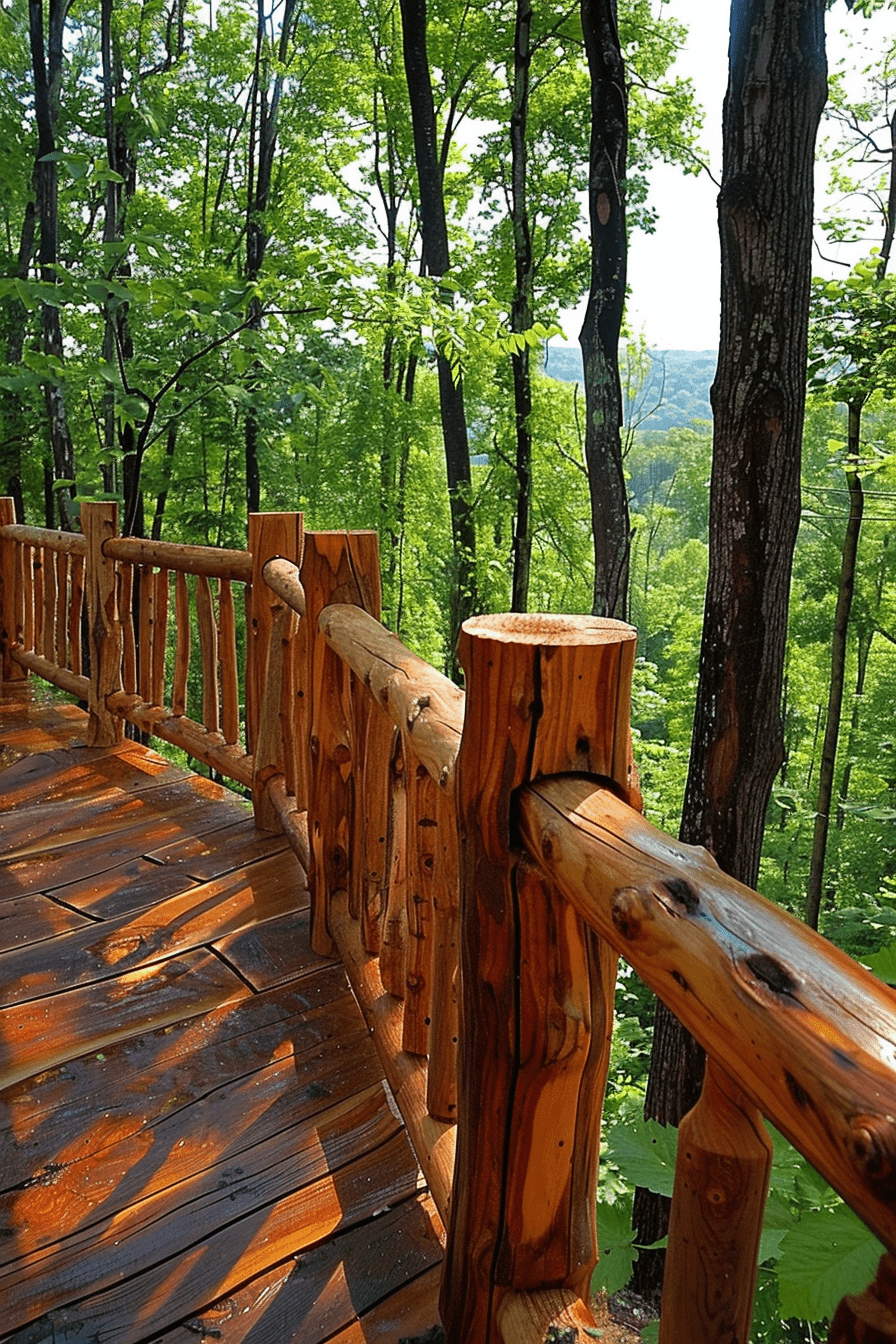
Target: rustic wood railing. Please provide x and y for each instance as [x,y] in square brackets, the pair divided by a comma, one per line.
[478,861]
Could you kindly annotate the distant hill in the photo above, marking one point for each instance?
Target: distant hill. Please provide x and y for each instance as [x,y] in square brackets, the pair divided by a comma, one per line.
[676,392]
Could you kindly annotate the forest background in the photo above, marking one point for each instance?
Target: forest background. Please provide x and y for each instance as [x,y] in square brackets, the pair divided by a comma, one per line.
[213,301]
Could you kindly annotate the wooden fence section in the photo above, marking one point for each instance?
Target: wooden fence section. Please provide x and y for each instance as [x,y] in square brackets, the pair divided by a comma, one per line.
[478,862]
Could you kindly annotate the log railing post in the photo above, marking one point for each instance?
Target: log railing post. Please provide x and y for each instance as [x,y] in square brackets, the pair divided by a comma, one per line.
[99,522]
[269,695]
[9,598]
[721,1181]
[544,695]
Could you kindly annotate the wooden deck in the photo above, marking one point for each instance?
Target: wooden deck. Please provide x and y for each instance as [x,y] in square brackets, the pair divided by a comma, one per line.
[196,1141]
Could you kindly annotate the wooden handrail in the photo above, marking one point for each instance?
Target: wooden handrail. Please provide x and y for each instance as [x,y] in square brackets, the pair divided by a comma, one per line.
[213,562]
[66,543]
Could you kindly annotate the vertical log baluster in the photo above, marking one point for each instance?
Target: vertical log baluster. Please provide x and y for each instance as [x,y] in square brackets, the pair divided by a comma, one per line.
[422,843]
[182,646]
[159,636]
[372,828]
[48,624]
[11,596]
[37,634]
[230,689]
[62,609]
[29,580]
[99,520]
[336,567]
[441,1088]
[393,948]
[147,600]
[544,694]
[128,587]
[721,1181]
[75,612]
[208,653]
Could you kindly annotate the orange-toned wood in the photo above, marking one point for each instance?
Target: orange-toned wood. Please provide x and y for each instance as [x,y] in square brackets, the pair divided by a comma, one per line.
[293,821]
[230,689]
[48,620]
[182,644]
[159,637]
[213,561]
[271,536]
[441,1092]
[393,945]
[63,599]
[73,543]
[100,522]
[420,701]
[869,1317]
[721,1183]
[57,676]
[37,629]
[208,652]
[422,845]
[371,816]
[186,733]
[76,606]
[10,602]
[29,582]
[543,694]
[128,586]
[336,567]
[146,588]
[735,968]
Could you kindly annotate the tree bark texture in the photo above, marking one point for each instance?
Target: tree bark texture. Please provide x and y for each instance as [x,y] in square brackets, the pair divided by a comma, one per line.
[776,92]
[436,260]
[599,337]
[521,311]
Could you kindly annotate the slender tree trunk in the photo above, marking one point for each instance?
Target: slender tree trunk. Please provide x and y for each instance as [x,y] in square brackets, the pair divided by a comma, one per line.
[46,58]
[14,421]
[776,92]
[436,262]
[863,652]
[521,309]
[599,337]
[839,636]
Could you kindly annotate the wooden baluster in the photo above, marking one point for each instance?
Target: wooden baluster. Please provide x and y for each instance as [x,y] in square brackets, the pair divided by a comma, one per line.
[147,596]
[182,646]
[230,690]
[441,1087]
[544,694]
[62,608]
[422,843]
[393,947]
[208,653]
[48,622]
[127,587]
[99,521]
[869,1317]
[372,793]
[159,636]
[721,1181]
[11,596]
[336,567]
[75,611]
[29,580]
[38,561]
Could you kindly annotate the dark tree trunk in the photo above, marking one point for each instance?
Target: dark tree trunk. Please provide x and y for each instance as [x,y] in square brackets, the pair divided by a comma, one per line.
[776,92]
[46,59]
[599,337]
[436,261]
[521,310]
[15,430]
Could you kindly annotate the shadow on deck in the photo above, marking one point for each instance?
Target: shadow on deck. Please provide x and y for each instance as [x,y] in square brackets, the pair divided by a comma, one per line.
[196,1138]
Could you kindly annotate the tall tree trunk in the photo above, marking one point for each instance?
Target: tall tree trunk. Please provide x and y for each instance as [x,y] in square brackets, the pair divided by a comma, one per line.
[776,92]
[436,261]
[13,414]
[839,636]
[599,337]
[46,59]
[521,309]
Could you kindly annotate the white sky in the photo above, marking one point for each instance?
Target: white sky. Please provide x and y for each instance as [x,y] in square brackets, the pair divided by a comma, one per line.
[674,273]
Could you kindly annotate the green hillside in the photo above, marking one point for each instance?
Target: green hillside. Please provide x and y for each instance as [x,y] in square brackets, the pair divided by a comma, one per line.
[675,393]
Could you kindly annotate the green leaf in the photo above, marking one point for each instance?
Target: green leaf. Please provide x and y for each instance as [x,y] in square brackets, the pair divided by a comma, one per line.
[883,963]
[828,1254]
[645,1152]
[615,1238]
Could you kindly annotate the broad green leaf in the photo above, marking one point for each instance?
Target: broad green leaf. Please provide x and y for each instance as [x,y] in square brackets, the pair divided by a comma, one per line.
[827,1254]
[617,1252]
[645,1151]
[883,963]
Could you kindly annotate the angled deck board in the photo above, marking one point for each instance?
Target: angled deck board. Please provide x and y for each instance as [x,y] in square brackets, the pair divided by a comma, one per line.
[195,1135]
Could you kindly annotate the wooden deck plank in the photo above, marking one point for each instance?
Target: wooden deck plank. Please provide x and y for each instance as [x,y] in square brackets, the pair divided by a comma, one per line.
[194,1106]
[40,1035]
[385,1271]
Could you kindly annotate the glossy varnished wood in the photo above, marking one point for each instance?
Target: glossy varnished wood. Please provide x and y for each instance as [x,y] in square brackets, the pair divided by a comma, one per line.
[195,1134]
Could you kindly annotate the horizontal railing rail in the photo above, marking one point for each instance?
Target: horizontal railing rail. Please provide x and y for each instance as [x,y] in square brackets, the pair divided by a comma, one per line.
[478,861]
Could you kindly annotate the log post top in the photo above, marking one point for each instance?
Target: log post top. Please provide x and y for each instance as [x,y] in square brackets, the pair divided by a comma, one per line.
[547,629]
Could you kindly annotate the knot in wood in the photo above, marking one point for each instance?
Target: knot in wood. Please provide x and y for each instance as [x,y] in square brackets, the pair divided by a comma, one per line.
[627,911]
[682,893]
[342,753]
[872,1147]
[417,708]
[772,974]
